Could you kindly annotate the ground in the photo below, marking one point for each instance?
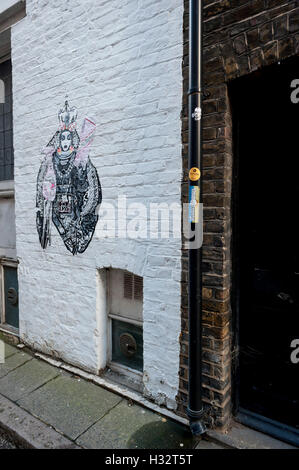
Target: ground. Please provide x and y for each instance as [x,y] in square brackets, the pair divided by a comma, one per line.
[47,407]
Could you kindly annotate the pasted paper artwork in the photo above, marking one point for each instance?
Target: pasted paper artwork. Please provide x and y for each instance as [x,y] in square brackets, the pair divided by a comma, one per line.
[68,186]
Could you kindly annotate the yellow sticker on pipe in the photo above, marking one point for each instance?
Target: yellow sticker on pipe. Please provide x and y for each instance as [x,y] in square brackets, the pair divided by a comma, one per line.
[194,174]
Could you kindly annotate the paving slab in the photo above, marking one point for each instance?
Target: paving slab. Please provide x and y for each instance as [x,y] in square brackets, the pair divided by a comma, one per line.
[162,435]
[9,350]
[26,378]
[27,431]
[132,427]
[14,361]
[69,404]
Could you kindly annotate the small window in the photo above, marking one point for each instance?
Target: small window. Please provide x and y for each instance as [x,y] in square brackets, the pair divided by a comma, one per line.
[125,292]
[125,295]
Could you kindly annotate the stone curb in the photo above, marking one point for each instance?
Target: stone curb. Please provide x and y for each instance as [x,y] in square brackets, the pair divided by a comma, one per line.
[242,437]
[29,432]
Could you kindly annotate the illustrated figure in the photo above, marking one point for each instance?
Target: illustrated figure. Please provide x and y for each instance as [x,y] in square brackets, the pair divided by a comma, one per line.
[68,186]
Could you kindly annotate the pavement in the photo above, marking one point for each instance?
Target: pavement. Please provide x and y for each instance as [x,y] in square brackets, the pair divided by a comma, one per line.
[42,406]
[47,407]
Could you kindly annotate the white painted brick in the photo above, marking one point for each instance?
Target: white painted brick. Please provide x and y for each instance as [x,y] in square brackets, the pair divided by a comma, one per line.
[119,62]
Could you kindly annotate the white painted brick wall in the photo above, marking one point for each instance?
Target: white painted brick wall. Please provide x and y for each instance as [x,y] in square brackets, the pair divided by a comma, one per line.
[119,62]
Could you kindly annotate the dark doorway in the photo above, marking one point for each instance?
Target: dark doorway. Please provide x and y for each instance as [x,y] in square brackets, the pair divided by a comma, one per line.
[266,246]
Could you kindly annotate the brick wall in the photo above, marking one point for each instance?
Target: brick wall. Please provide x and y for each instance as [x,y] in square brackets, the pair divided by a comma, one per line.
[120,63]
[240,36]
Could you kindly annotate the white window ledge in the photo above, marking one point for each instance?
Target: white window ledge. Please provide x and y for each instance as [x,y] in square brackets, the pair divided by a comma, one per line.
[6,4]
[11,11]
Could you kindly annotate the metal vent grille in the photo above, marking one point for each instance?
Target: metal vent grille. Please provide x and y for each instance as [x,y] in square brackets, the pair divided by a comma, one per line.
[133,286]
[128,285]
[138,288]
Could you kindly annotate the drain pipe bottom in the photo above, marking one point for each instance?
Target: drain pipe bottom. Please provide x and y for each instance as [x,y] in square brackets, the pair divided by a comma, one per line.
[197,425]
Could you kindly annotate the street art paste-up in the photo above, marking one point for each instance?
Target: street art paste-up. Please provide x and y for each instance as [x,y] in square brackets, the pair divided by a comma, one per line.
[68,186]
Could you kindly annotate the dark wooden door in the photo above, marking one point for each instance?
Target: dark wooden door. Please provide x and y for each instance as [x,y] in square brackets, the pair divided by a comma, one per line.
[266,264]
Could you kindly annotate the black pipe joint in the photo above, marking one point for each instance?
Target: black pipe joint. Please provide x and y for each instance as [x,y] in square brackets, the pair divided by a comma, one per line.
[196,422]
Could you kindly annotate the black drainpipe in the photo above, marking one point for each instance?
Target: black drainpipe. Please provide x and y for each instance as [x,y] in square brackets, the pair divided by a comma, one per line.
[195,408]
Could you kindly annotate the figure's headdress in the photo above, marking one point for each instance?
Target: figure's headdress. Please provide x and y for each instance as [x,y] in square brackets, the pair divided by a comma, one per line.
[67,122]
[67,118]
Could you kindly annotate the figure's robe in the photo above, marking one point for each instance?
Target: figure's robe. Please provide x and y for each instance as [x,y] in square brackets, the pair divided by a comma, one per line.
[68,195]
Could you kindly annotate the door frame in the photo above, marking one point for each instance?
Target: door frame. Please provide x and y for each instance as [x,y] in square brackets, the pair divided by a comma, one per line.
[260,423]
[4,326]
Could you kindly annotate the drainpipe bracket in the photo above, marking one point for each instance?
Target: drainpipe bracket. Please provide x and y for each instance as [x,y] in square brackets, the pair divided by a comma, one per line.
[204,92]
